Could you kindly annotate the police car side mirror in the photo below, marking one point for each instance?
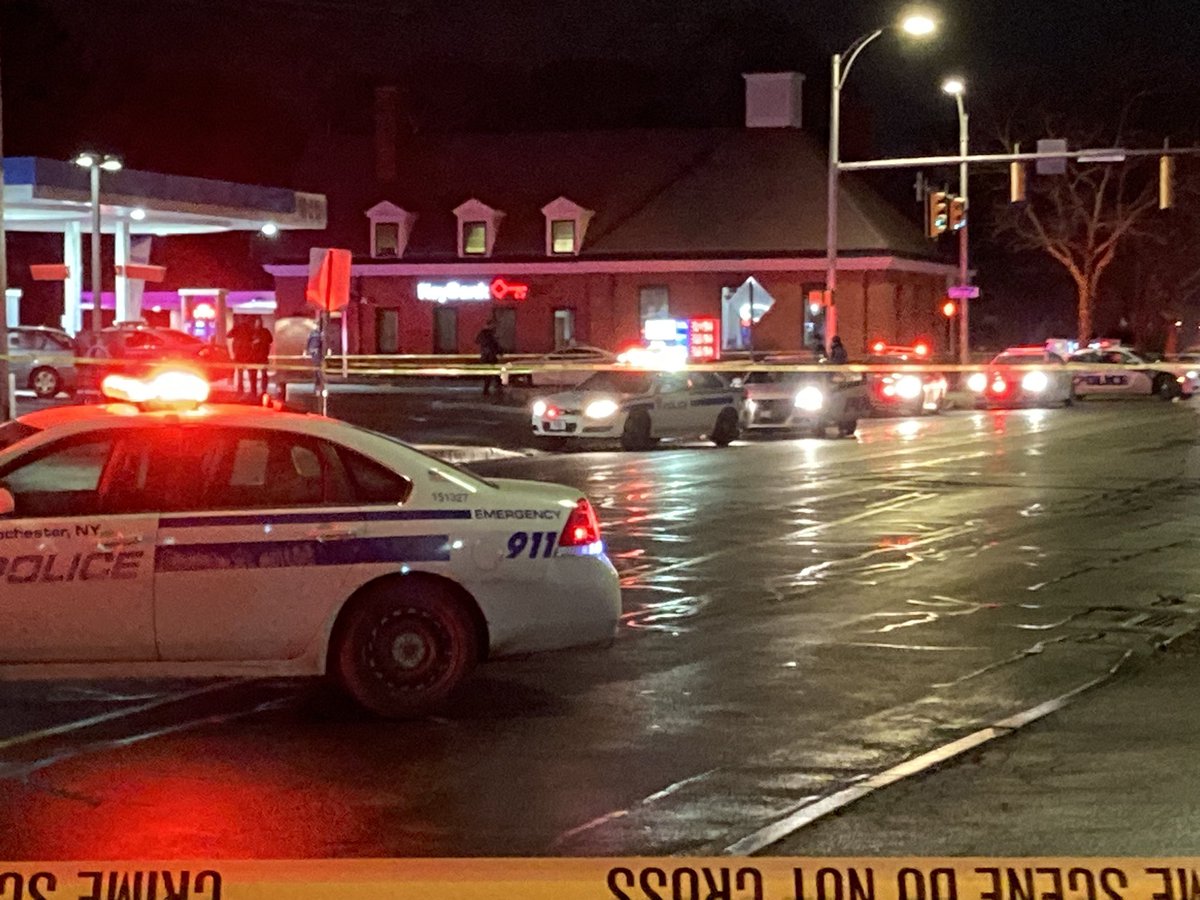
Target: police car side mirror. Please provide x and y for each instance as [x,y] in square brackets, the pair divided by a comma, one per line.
[8,503]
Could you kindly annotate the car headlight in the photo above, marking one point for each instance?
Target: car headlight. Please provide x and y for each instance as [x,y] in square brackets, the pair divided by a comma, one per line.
[1035,382]
[810,399]
[908,387]
[600,409]
[539,408]
[977,382]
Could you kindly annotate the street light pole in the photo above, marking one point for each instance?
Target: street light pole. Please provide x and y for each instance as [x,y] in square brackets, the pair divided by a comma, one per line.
[5,395]
[917,25]
[964,270]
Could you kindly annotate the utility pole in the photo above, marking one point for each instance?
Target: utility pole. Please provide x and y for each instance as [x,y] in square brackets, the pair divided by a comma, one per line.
[6,412]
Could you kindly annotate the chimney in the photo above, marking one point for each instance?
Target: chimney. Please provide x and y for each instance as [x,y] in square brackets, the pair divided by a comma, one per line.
[774,99]
[385,134]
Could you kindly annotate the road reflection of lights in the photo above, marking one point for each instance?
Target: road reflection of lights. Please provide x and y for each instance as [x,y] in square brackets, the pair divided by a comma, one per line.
[979,420]
[908,429]
[1036,419]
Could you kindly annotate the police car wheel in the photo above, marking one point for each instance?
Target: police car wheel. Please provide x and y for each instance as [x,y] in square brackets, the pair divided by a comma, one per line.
[636,434]
[1166,387]
[402,648]
[848,427]
[726,430]
[45,382]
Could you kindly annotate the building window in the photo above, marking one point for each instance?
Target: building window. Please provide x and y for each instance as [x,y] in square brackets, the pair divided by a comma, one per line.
[474,238]
[506,327]
[562,236]
[654,303]
[445,330]
[564,328]
[387,239]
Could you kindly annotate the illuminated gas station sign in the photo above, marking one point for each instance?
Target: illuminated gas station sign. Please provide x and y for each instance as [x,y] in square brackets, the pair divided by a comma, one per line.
[458,291]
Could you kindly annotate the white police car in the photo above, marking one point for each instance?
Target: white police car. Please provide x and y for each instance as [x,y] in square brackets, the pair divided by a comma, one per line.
[640,407]
[232,540]
[811,402]
[1119,372]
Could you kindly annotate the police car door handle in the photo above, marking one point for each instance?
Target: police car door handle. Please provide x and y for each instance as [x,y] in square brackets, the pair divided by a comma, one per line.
[334,534]
[109,542]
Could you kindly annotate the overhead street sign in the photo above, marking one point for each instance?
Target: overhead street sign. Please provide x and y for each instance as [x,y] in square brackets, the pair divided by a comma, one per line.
[963,292]
[1054,166]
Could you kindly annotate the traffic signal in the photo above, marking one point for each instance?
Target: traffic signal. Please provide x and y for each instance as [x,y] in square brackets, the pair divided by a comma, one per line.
[1166,182]
[936,213]
[958,213]
[949,309]
[1016,182]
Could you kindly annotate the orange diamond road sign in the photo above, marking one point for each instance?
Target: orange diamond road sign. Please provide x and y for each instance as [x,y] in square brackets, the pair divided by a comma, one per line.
[328,278]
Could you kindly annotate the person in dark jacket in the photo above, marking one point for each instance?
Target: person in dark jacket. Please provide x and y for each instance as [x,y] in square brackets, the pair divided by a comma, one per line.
[837,352]
[260,353]
[240,338]
[489,353]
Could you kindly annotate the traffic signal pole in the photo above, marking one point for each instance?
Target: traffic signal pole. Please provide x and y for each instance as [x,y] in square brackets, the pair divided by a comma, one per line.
[964,270]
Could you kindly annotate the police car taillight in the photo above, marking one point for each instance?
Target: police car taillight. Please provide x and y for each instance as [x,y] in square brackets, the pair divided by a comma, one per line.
[582,528]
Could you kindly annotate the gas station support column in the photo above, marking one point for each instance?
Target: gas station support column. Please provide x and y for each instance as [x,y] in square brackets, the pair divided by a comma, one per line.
[121,261]
[221,304]
[72,319]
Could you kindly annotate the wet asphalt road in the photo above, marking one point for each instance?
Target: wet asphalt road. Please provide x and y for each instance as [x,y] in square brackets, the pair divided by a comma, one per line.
[799,614]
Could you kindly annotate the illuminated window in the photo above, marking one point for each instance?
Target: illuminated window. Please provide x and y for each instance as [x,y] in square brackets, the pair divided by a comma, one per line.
[474,238]
[387,239]
[562,236]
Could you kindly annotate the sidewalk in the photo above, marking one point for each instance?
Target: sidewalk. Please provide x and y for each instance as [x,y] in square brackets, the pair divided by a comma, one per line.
[1115,773]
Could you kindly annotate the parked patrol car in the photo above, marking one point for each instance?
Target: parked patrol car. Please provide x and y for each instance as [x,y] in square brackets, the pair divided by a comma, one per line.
[639,408]
[232,540]
[812,402]
[1112,376]
[1023,376]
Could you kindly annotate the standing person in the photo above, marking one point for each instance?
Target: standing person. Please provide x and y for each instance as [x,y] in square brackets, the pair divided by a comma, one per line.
[241,336]
[489,353]
[260,353]
[837,352]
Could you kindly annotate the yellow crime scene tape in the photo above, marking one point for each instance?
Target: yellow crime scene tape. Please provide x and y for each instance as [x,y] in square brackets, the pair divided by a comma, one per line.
[449,366]
[673,878]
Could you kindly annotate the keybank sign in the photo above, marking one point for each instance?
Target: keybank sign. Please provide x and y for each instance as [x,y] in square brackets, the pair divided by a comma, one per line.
[447,291]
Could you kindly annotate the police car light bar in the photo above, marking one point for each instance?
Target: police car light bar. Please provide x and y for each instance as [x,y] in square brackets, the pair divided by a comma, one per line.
[167,389]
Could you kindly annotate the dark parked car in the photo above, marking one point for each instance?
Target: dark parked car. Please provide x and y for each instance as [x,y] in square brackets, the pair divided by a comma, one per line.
[136,349]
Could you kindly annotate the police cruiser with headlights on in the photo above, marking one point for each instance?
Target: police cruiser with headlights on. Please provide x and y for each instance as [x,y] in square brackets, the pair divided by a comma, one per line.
[639,408]
[1023,376]
[810,402]
[169,538]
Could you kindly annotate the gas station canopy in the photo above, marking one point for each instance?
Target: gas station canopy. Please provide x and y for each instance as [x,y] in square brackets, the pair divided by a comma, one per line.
[50,195]
[54,196]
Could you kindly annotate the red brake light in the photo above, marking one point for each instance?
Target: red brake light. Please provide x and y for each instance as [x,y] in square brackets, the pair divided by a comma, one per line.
[879,346]
[551,412]
[582,526]
[921,349]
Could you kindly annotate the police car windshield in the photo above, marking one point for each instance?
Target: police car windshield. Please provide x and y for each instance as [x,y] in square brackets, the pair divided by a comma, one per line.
[618,382]
[11,432]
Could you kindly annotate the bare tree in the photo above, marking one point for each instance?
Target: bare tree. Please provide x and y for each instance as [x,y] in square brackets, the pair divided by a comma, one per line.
[1082,218]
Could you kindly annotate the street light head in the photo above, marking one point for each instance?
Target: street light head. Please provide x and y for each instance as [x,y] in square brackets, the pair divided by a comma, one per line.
[111,164]
[918,24]
[954,86]
[270,229]
[87,160]
[137,214]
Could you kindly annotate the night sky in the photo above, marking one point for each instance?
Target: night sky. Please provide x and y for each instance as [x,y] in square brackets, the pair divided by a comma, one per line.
[233,88]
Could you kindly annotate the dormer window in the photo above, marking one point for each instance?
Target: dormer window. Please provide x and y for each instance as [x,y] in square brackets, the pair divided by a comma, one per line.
[474,238]
[478,224]
[562,236]
[390,229]
[566,224]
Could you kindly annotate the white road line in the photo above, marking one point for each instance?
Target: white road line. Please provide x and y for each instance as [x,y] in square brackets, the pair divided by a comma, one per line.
[810,811]
[80,724]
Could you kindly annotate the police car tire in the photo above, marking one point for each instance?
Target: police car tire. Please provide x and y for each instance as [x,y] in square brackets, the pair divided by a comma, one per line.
[42,386]
[726,429]
[636,433]
[1166,387]
[417,618]
[848,427]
